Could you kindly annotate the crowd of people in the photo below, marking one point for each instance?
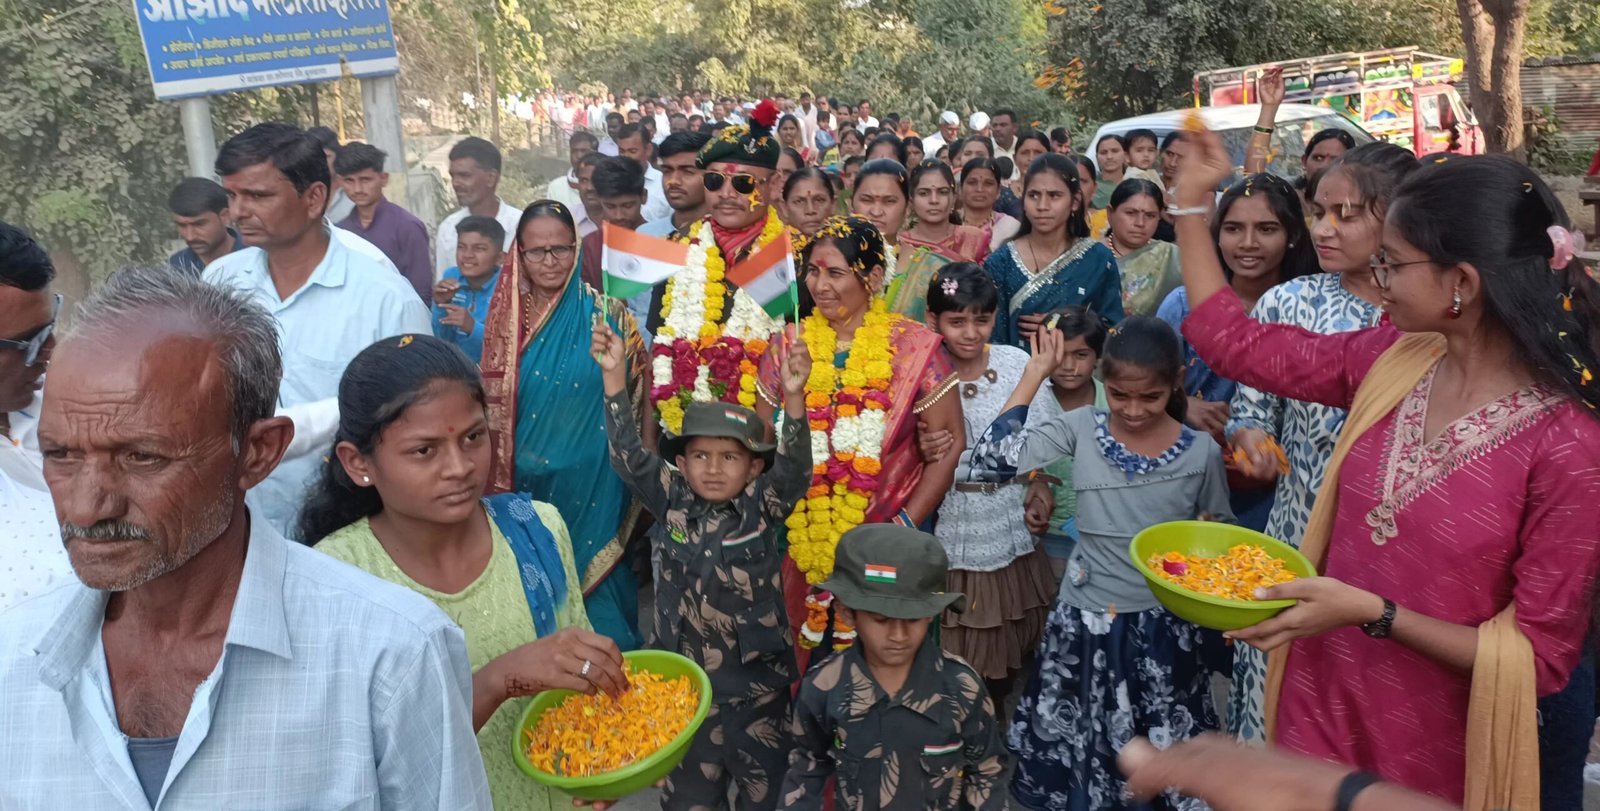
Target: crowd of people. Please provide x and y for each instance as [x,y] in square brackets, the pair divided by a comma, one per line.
[303,517]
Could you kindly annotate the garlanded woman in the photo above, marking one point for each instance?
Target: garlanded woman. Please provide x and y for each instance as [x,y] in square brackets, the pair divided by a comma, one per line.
[1052,264]
[887,375]
[533,340]
[1455,533]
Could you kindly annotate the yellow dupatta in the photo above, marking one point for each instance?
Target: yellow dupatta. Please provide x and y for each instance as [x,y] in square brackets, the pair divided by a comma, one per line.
[1502,729]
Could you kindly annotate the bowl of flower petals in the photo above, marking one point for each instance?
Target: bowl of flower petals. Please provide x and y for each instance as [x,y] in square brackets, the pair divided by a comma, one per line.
[596,747]
[1208,573]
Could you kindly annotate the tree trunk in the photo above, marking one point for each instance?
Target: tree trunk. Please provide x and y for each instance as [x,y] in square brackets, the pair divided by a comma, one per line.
[1510,24]
[1478,36]
[1493,33]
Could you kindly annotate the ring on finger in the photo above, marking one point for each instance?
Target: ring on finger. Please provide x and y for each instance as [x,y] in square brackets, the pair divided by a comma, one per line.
[584,671]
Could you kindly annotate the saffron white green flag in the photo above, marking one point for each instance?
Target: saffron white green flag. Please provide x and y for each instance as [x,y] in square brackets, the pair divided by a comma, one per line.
[768,277]
[633,263]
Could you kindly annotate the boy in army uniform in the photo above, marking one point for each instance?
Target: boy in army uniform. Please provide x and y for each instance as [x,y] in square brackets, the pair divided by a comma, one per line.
[718,598]
[901,724]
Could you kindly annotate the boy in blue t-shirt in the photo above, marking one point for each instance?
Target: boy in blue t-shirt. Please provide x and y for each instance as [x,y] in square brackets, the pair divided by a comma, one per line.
[461,297]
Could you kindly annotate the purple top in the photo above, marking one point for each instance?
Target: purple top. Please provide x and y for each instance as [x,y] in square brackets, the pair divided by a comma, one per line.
[403,238]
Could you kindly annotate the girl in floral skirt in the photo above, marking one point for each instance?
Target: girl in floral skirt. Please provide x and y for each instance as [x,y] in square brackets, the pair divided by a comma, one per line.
[1113,663]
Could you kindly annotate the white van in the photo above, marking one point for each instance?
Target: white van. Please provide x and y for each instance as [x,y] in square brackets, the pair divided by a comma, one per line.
[1294,127]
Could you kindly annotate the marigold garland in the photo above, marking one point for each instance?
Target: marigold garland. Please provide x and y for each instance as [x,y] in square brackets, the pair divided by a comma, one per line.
[847,413]
[703,352]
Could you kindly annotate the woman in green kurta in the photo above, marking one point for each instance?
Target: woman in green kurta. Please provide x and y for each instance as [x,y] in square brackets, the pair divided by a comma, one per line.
[399,498]
[1149,266]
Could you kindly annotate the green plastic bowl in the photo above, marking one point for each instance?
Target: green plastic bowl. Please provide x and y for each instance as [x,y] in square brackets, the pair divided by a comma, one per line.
[1210,539]
[636,776]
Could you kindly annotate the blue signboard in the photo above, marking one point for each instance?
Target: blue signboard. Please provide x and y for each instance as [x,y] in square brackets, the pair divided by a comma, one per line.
[203,47]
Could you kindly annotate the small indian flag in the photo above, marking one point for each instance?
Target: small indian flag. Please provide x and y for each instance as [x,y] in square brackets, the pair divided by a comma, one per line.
[635,263]
[880,574]
[768,277]
[736,416]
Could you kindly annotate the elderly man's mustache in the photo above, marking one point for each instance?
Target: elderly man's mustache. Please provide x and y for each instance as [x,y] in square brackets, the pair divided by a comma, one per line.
[105,531]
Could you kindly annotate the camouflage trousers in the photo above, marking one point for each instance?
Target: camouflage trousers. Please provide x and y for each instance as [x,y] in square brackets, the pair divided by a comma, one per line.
[744,743]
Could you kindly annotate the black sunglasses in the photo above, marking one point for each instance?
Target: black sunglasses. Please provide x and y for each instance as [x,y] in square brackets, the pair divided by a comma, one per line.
[34,345]
[743,182]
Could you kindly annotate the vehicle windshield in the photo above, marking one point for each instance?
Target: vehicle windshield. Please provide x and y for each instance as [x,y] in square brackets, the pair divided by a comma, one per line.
[1289,140]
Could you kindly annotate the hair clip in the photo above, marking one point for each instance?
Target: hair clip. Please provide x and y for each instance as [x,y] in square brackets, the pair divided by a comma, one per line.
[1441,158]
[1567,244]
[405,341]
[950,286]
[1527,187]
[1566,299]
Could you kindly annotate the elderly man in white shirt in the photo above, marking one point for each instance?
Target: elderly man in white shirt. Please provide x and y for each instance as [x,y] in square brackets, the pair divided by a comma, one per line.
[475,178]
[331,298]
[204,661]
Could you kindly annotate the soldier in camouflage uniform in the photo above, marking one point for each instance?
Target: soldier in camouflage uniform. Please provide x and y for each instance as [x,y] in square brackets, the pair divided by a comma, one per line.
[718,599]
[901,724]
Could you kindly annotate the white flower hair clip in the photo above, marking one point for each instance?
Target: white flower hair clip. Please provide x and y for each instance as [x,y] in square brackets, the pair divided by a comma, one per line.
[950,286]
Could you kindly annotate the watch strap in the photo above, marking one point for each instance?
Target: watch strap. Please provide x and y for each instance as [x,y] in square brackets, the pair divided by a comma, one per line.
[1353,783]
[1380,628]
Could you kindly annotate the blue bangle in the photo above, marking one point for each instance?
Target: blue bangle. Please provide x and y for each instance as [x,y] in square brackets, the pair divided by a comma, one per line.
[1353,783]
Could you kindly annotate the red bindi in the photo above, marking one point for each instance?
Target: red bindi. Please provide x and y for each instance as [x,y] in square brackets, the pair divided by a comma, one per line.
[451,428]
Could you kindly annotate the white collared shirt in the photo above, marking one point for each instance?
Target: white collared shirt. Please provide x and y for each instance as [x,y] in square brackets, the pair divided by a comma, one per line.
[335,689]
[444,256]
[31,556]
[655,203]
[350,301]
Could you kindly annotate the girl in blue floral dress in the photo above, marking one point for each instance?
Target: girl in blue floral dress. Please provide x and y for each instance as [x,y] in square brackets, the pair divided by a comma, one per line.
[1113,663]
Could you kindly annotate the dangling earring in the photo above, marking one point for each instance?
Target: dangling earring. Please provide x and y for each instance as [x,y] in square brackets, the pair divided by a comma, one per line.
[1455,304]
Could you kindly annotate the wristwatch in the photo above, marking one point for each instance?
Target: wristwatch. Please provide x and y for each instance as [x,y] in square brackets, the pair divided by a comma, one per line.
[1380,628]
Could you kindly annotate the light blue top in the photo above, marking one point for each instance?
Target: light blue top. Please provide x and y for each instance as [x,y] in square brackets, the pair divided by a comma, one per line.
[476,302]
[335,689]
[351,300]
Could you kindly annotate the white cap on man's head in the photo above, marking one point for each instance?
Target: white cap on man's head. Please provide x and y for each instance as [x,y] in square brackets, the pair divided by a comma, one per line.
[948,118]
[978,121]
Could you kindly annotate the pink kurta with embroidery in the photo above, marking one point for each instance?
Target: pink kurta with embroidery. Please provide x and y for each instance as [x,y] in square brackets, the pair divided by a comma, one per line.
[1500,507]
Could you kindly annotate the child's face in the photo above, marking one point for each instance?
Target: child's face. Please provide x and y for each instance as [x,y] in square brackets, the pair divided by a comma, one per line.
[1137,400]
[431,464]
[1142,153]
[887,642]
[718,469]
[966,332]
[1077,368]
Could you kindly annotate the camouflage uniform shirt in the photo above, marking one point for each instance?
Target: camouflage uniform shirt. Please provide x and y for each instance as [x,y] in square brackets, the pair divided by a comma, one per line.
[718,599]
[934,745]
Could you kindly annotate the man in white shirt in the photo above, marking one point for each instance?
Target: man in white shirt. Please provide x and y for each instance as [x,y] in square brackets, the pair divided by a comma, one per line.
[807,113]
[475,177]
[339,204]
[564,189]
[1003,129]
[204,661]
[632,143]
[31,556]
[331,300]
[608,144]
[658,111]
[864,117]
[949,130]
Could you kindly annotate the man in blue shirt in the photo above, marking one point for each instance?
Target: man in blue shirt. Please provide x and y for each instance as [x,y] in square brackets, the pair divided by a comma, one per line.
[200,210]
[333,295]
[200,660]
[461,298]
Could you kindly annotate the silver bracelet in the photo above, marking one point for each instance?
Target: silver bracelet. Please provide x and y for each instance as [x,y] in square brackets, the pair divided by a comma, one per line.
[1185,212]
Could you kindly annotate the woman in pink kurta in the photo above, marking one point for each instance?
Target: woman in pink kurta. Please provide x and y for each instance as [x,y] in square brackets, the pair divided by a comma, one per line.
[1441,524]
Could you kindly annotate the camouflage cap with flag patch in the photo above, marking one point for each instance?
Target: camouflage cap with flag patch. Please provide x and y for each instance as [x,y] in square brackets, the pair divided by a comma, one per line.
[892,570]
[722,420]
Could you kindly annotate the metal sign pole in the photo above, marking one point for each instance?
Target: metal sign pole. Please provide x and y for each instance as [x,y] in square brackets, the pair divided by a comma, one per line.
[380,108]
[198,137]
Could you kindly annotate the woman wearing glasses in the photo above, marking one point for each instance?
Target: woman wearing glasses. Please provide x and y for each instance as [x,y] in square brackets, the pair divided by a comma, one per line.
[545,402]
[1455,535]
[932,241]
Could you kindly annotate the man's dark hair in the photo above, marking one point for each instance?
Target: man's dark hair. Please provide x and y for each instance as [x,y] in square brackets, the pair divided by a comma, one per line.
[677,116]
[353,158]
[632,131]
[1004,111]
[289,149]
[486,155]
[591,159]
[863,101]
[680,142]
[327,137]
[488,226]
[582,137]
[194,196]
[618,177]
[614,114]
[23,263]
